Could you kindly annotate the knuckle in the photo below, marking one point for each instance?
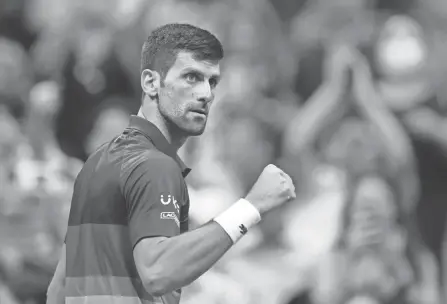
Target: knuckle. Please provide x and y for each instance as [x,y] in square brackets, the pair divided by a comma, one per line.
[270,167]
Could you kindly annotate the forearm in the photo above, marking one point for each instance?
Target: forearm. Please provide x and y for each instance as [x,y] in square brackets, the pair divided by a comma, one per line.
[399,150]
[393,137]
[314,116]
[182,259]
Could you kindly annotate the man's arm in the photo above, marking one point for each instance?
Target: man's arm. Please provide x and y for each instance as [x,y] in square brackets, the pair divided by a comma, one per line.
[317,113]
[55,292]
[167,260]
[324,106]
[394,139]
[167,264]
[373,108]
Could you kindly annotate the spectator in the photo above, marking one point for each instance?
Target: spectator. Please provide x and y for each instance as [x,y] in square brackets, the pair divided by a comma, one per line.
[408,87]
[36,217]
[15,78]
[382,146]
[46,164]
[111,120]
[91,73]
[376,257]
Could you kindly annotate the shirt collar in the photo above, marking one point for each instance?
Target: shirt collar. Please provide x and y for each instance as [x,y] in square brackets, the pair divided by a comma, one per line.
[157,138]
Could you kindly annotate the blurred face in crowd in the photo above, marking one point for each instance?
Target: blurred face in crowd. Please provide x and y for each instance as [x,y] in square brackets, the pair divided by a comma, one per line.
[374,194]
[353,147]
[186,93]
[401,49]
[44,98]
[93,41]
[109,123]
[373,208]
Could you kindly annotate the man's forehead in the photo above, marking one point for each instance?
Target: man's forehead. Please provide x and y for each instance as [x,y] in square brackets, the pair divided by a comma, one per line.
[186,61]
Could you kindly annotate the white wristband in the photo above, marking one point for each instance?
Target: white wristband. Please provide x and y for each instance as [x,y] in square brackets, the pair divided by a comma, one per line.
[238,218]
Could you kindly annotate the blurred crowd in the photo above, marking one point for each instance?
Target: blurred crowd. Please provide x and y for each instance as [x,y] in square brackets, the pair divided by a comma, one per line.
[347,96]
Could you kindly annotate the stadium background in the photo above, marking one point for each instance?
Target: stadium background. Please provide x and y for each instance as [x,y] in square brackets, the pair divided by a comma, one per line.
[69,79]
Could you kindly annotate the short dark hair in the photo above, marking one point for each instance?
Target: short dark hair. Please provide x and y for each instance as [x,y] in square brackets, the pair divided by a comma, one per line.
[161,48]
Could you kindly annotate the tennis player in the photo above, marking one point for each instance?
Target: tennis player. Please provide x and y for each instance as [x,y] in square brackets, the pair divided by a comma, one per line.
[127,240]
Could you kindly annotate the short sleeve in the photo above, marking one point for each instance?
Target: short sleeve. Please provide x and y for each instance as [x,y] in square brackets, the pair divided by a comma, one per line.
[153,190]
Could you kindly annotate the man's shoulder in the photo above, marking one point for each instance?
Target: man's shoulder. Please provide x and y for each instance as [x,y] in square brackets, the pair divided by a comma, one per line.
[127,152]
[148,159]
[150,164]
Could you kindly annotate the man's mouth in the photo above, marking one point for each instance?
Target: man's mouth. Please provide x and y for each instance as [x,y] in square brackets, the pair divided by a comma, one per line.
[200,111]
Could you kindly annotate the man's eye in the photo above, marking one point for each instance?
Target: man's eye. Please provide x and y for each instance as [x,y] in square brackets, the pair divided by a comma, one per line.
[191,77]
[213,82]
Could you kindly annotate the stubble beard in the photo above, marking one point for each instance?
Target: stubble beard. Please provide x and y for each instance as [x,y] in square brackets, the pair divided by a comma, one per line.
[180,126]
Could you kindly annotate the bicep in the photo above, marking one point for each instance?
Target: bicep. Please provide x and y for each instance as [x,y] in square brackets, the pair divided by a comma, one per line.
[153,194]
[146,254]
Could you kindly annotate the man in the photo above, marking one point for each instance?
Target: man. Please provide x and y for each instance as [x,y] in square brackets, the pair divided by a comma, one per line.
[127,238]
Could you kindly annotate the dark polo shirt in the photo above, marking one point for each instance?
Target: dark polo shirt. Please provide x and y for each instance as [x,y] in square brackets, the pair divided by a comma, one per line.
[131,188]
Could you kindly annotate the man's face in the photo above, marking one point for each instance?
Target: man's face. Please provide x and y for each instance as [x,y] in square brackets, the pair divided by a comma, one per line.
[187,92]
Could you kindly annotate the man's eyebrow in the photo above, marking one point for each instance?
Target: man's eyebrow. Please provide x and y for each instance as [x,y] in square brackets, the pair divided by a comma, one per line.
[216,76]
[189,70]
[195,70]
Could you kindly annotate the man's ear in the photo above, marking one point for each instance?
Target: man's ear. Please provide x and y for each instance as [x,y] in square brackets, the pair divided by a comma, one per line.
[150,82]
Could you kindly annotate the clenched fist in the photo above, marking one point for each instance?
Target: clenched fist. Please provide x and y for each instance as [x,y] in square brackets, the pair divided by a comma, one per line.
[273,188]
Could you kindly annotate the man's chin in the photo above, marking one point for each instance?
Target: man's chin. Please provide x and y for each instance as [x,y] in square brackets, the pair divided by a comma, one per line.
[192,129]
[196,131]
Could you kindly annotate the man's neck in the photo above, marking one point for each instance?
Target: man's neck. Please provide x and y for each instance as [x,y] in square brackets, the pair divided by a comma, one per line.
[172,135]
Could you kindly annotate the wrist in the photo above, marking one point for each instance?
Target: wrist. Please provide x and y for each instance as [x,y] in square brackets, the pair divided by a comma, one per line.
[238,218]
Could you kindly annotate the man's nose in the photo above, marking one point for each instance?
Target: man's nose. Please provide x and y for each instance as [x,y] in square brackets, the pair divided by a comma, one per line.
[205,94]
